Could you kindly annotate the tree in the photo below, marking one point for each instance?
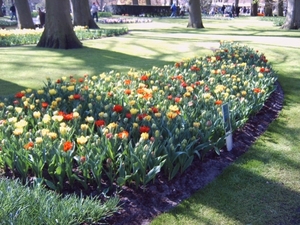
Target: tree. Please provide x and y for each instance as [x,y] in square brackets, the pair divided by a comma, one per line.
[237,8]
[82,14]
[254,8]
[100,4]
[1,13]
[268,8]
[292,20]
[24,15]
[195,14]
[58,32]
[280,7]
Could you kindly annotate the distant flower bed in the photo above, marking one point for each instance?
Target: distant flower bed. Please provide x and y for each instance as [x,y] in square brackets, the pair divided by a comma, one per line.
[124,20]
[30,36]
[114,128]
[7,23]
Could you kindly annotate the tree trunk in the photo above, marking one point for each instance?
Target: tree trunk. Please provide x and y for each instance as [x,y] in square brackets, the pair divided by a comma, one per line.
[1,13]
[280,8]
[82,15]
[58,32]
[24,15]
[101,4]
[254,8]
[195,14]
[292,20]
[237,8]
[268,8]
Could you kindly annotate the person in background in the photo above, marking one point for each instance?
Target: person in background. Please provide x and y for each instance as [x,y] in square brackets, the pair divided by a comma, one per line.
[13,12]
[174,10]
[223,9]
[182,11]
[94,11]
[42,17]
[3,8]
[237,11]
[232,10]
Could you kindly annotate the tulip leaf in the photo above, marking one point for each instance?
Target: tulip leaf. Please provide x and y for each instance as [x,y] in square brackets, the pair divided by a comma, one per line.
[58,170]
[152,173]
[50,185]
[174,171]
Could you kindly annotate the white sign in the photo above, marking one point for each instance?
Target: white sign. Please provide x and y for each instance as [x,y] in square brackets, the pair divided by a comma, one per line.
[227,126]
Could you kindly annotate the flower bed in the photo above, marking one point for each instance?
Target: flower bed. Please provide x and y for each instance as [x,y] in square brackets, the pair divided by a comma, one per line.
[96,131]
[124,20]
[30,36]
[5,22]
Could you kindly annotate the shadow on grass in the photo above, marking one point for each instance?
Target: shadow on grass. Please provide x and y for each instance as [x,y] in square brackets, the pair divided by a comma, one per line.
[9,88]
[77,62]
[244,197]
[99,59]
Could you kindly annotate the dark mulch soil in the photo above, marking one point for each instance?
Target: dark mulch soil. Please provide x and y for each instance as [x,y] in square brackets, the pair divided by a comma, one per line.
[140,206]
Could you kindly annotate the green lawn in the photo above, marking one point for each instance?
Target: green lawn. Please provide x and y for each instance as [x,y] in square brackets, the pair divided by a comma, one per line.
[262,186]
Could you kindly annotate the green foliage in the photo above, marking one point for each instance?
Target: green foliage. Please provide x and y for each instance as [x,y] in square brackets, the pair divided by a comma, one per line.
[105,14]
[24,205]
[34,14]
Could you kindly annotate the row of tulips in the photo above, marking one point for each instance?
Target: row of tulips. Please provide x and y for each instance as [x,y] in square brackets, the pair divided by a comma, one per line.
[30,36]
[125,20]
[127,128]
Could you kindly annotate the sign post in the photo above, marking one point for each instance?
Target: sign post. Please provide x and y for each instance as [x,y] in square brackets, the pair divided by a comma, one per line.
[227,126]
